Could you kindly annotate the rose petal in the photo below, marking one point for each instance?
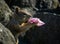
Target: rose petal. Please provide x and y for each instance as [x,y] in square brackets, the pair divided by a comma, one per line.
[40,23]
[36,21]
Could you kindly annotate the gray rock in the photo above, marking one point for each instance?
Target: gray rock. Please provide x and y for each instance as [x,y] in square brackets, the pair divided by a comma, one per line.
[5,12]
[6,36]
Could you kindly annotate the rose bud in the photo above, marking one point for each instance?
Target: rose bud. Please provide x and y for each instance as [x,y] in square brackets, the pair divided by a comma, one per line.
[36,21]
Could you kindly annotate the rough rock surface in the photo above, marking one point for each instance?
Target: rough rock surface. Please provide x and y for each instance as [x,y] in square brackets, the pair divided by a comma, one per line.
[6,36]
[5,12]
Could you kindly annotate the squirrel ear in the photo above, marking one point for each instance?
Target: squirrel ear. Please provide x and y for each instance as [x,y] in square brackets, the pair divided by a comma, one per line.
[17,10]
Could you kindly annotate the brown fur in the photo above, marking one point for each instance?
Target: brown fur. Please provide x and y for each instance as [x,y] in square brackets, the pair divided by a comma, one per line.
[16,26]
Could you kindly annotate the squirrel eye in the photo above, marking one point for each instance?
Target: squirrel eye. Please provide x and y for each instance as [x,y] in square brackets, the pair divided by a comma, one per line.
[26,21]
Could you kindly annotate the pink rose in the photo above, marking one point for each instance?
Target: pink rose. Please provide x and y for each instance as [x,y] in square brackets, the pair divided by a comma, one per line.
[36,21]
